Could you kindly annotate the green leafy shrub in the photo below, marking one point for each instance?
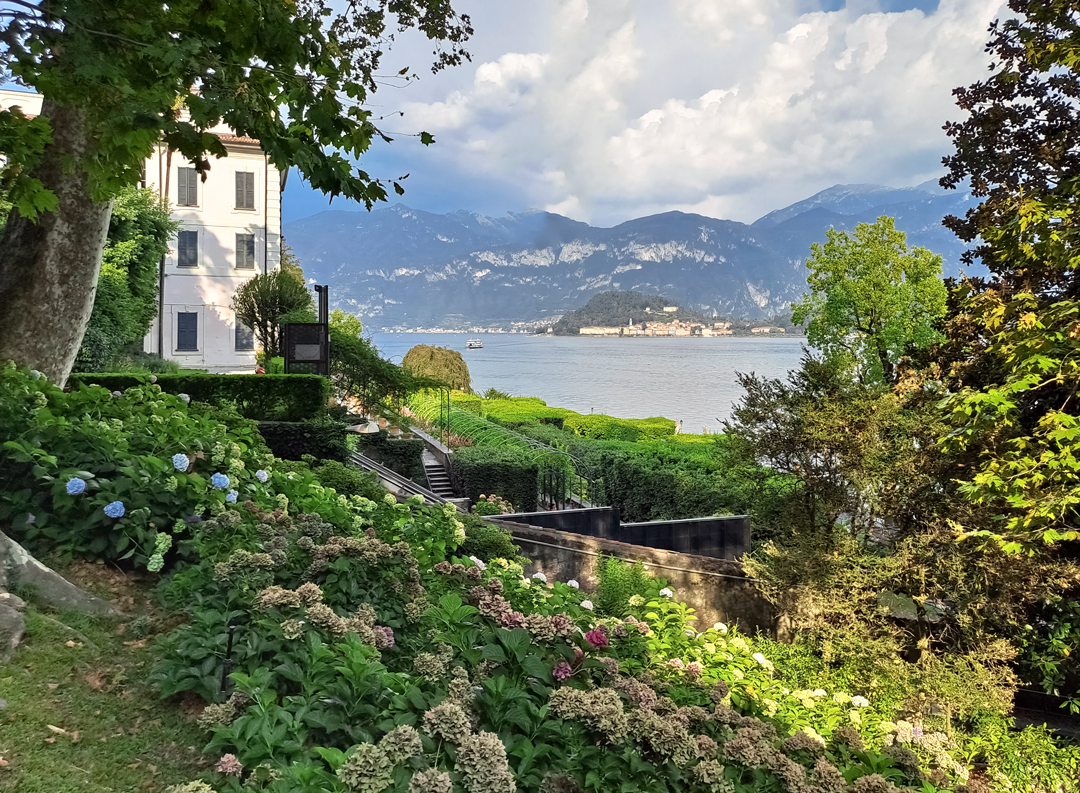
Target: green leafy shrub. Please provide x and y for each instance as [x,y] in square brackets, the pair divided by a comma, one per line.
[92,473]
[347,479]
[403,455]
[323,438]
[492,505]
[618,581]
[286,397]
[486,541]
[654,427]
[506,471]
[601,427]
[515,411]
[438,363]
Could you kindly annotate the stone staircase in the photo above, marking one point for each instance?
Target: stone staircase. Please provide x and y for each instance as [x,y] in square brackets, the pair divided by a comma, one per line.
[437,476]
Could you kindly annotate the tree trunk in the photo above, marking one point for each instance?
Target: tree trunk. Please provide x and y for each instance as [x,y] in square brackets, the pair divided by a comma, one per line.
[49,267]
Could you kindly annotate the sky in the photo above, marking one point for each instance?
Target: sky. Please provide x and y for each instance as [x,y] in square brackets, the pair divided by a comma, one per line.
[608,110]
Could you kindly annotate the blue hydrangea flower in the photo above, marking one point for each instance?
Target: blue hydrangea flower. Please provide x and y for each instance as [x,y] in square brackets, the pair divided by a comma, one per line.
[231,496]
[180,462]
[220,481]
[261,475]
[76,486]
[115,509]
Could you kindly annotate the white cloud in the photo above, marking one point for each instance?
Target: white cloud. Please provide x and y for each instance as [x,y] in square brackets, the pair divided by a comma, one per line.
[727,107]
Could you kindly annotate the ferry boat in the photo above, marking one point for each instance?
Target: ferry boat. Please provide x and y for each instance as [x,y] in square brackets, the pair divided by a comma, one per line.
[474,344]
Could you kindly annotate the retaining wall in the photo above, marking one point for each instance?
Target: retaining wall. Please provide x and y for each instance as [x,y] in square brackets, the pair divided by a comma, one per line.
[717,589]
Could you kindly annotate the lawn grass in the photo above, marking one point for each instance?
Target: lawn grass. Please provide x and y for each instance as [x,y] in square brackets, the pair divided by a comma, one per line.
[78,713]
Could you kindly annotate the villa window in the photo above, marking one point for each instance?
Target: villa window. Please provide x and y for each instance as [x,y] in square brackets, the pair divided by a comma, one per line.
[245,251]
[187,187]
[245,190]
[245,338]
[187,249]
[187,331]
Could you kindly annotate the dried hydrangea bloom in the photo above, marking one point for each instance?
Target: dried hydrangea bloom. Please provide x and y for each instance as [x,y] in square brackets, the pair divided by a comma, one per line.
[431,781]
[414,612]
[229,765]
[482,761]
[804,741]
[218,715]
[309,593]
[850,737]
[191,787]
[366,770]
[292,629]
[874,783]
[448,721]
[401,743]
[826,778]
[711,774]
[706,747]
[661,737]
[429,665]
[718,693]
[322,615]
[638,692]
[600,709]
[276,597]
[792,775]
[906,760]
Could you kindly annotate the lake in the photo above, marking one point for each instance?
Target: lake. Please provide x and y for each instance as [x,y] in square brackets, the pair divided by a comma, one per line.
[692,379]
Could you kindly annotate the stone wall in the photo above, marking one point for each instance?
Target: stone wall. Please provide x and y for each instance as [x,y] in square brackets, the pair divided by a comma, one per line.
[717,589]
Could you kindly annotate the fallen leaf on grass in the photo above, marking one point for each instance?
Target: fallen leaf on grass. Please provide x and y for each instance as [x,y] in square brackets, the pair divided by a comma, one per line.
[75,737]
[4,763]
[139,643]
[50,740]
[95,678]
[60,730]
[52,686]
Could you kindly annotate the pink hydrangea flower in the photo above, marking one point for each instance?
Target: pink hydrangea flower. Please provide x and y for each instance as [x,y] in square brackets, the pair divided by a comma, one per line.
[694,669]
[561,671]
[597,638]
[677,663]
[229,765]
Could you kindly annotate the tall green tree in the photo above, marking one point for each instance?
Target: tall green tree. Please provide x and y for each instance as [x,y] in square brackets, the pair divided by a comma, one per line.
[120,77]
[126,300]
[264,301]
[1015,400]
[871,299]
[440,364]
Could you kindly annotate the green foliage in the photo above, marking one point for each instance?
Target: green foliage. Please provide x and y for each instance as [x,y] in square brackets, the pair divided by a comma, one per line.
[124,65]
[119,448]
[323,438]
[506,471]
[403,455]
[1048,649]
[601,427]
[440,364]
[618,581]
[871,301]
[265,397]
[360,373]
[494,393]
[126,300]
[492,505]
[515,411]
[265,301]
[486,541]
[347,480]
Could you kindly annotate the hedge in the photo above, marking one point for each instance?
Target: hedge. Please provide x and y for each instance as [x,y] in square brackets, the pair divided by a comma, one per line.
[506,471]
[263,397]
[601,427]
[516,411]
[322,438]
[403,455]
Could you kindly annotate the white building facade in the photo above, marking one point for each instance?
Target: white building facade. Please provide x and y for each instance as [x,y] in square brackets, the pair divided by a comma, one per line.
[231,231]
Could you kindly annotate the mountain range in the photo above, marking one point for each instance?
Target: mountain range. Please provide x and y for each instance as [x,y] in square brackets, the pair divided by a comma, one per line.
[397,267]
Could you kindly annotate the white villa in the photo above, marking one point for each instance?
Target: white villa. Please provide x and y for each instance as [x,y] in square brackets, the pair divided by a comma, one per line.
[231,231]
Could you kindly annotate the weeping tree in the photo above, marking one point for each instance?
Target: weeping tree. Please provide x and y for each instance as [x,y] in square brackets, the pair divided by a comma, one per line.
[264,301]
[439,364]
[121,77]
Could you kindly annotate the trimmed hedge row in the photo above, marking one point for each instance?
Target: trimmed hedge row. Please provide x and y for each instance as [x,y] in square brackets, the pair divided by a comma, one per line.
[403,455]
[503,470]
[323,439]
[263,397]
[516,411]
[608,428]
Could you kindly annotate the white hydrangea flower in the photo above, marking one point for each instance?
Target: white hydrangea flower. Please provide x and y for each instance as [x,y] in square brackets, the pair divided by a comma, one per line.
[572,583]
[666,593]
[762,661]
[860,702]
[587,604]
[540,577]
[479,563]
[819,692]
[720,627]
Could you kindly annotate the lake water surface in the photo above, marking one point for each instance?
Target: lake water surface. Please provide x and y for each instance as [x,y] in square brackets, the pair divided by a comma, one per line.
[692,379]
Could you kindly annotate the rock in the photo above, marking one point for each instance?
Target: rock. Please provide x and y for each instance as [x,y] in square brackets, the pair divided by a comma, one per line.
[12,627]
[14,601]
[48,588]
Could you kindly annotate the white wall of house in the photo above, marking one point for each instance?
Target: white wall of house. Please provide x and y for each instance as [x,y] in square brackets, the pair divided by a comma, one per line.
[205,287]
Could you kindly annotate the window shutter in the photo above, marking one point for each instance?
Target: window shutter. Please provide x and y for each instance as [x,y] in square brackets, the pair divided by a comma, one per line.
[187,181]
[187,249]
[245,190]
[187,330]
[245,251]
[245,339]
